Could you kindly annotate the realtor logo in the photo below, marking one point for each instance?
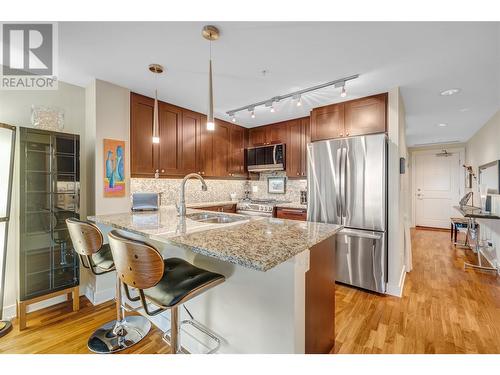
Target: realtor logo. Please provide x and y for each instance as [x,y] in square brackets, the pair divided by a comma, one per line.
[29,56]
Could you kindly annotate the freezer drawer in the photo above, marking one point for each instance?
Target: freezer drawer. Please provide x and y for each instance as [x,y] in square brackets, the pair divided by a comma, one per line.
[361,259]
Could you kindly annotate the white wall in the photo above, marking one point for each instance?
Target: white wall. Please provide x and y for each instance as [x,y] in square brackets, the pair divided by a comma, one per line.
[398,210]
[15,109]
[482,148]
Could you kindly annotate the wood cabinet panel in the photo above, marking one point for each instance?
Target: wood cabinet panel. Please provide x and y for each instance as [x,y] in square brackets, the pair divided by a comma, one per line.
[169,155]
[143,162]
[276,133]
[189,141]
[257,136]
[291,214]
[236,151]
[327,122]
[306,134]
[366,115]
[221,149]
[294,148]
[230,208]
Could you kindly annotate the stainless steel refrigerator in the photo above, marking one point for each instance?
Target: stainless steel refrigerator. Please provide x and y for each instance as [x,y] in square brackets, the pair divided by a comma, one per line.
[347,185]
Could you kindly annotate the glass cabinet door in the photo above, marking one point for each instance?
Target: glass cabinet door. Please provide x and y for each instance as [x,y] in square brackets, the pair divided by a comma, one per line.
[49,195]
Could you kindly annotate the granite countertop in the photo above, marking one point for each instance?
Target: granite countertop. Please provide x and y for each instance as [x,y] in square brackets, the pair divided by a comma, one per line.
[259,243]
[292,205]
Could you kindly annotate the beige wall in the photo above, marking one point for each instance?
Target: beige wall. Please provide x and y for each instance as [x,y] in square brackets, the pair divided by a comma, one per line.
[112,121]
[15,109]
[398,193]
[482,148]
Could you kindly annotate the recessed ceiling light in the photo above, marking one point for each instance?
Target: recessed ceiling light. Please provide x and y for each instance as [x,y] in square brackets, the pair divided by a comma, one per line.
[464,109]
[449,92]
[442,125]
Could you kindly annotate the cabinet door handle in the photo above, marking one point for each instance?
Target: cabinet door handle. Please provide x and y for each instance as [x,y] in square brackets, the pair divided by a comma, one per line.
[163,171]
[298,174]
[341,134]
[347,133]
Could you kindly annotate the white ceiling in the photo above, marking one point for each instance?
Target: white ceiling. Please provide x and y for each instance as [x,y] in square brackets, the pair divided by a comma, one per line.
[422,58]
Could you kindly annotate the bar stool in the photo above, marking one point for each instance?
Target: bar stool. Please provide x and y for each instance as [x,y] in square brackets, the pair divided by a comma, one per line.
[121,333]
[166,283]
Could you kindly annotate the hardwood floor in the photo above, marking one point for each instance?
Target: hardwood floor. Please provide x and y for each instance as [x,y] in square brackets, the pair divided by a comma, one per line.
[444,309]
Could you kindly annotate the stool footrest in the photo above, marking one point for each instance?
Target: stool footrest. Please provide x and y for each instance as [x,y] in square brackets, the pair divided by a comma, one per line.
[214,339]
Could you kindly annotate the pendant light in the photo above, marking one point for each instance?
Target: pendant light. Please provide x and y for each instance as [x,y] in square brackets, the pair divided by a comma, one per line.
[156,69]
[210,33]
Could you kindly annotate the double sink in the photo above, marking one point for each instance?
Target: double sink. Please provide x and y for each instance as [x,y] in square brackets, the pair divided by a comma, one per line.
[214,218]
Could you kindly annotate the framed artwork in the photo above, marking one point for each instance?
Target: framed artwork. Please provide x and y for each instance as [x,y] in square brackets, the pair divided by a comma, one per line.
[276,185]
[114,168]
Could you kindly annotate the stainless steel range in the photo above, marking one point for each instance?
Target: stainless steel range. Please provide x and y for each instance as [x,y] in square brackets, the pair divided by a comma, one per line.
[257,207]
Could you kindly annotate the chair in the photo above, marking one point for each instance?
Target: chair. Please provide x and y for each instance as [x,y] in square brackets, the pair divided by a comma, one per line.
[165,283]
[123,332]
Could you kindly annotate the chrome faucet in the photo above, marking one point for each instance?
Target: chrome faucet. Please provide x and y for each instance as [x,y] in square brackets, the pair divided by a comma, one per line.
[181,208]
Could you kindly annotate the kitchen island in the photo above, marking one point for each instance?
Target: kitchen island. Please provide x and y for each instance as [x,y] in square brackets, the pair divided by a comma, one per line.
[279,293]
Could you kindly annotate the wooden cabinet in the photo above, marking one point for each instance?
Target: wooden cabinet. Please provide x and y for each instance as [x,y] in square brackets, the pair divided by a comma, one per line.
[327,122]
[237,151]
[366,115]
[143,161]
[356,117]
[291,213]
[268,135]
[257,136]
[214,150]
[230,208]
[296,147]
[185,144]
[169,148]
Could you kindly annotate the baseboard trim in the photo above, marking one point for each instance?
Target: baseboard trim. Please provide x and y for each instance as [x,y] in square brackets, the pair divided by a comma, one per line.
[101,296]
[9,312]
[397,290]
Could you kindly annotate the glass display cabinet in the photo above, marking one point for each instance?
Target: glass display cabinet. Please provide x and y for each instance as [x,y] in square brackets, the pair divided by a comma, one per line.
[49,194]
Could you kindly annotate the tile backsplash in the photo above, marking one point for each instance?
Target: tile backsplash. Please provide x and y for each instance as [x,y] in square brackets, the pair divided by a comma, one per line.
[218,190]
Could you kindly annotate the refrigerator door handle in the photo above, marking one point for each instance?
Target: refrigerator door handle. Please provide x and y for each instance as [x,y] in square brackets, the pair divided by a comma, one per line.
[343,181]
[338,185]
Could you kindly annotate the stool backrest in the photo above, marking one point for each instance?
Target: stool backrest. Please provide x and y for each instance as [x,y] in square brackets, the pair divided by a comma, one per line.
[86,237]
[137,263]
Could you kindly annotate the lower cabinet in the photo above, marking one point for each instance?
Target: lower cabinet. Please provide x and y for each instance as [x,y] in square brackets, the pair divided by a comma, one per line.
[230,208]
[291,213]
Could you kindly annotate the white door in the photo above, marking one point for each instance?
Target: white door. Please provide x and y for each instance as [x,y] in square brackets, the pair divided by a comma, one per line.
[437,188]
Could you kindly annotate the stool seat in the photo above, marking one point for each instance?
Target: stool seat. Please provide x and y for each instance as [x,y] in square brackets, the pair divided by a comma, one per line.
[104,258]
[180,282]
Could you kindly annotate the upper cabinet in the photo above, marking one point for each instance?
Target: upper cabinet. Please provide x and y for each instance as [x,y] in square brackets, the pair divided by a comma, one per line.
[185,144]
[366,115]
[327,122]
[267,135]
[237,151]
[356,117]
[296,147]
[144,161]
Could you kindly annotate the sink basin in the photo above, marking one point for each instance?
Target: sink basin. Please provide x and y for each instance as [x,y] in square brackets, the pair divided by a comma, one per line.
[212,218]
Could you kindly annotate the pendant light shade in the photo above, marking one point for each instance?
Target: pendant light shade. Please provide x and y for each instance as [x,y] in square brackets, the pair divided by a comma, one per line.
[210,114]
[210,33]
[156,136]
[156,69]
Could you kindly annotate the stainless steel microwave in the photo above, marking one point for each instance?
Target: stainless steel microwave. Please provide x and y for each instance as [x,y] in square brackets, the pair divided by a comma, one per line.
[266,158]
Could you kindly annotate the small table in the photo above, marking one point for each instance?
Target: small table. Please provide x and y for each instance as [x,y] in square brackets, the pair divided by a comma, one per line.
[473,230]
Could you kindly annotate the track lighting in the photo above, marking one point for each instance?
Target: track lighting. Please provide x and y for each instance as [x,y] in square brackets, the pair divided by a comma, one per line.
[298,99]
[343,93]
[296,95]
[233,117]
[252,112]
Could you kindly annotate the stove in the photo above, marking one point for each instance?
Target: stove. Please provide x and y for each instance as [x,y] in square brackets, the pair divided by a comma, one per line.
[257,207]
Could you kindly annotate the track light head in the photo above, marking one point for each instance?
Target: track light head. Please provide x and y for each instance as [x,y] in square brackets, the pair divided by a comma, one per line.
[343,93]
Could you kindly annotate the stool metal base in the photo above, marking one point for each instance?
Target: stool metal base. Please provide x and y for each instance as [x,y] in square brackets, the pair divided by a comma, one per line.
[133,329]
[5,327]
